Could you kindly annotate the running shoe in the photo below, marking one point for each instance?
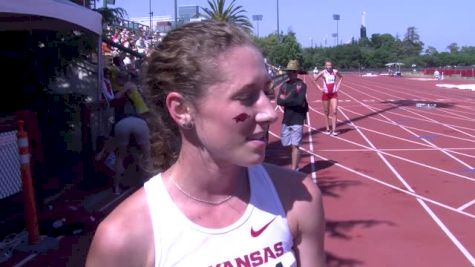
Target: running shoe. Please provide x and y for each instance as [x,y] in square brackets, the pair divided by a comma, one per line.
[334,133]
[327,132]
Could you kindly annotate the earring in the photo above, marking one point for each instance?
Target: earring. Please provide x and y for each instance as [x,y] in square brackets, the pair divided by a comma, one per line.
[187,125]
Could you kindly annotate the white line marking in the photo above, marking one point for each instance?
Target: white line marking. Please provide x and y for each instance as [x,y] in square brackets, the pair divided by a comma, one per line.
[412,133]
[410,94]
[395,149]
[401,158]
[32,256]
[422,203]
[439,204]
[466,205]
[116,199]
[352,88]
[438,122]
[413,128]
[417,119]
[312,158]
[26,260]
[456,114]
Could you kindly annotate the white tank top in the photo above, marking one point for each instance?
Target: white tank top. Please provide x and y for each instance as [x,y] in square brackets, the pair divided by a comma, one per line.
[261,237]
[329,82]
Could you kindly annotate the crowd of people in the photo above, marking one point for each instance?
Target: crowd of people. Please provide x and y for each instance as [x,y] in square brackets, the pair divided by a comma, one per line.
[140,40]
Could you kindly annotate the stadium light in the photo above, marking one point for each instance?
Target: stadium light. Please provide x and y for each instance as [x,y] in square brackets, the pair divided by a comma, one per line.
[337,18]
[150,13]
[257,18]
[176,14]
[278,29]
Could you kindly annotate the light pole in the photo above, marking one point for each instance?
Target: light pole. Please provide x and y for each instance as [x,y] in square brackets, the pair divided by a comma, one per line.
[257,18]
[278,28]
[176,14]
[150,13]
[337,18]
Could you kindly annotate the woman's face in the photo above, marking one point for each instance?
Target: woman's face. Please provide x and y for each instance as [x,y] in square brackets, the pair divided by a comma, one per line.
[328,66]
[234,114]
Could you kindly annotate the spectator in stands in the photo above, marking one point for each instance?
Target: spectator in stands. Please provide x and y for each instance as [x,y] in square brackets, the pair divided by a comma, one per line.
[130,124]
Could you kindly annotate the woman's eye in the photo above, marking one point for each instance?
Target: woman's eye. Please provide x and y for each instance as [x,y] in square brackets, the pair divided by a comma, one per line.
[248,99]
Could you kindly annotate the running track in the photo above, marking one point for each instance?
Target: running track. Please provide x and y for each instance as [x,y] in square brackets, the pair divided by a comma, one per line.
[398,183]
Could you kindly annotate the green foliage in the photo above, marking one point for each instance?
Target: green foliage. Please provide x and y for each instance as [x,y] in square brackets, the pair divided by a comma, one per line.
[373,52]
[280,52]
[232,13]
[112,16]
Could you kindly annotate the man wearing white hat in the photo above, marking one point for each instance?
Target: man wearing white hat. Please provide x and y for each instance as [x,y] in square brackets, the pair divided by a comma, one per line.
[292,96]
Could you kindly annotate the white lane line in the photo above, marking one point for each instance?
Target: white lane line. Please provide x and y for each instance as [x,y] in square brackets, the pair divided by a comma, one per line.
[424,205]
[405,159]
[415,195]
[397,149]
[470,108]
[437,112]
[414,128]
[425,140]
[452,113]
[26,260]
[422,120]
[402,158]
[312,158]
[466,205]
[403,139]
[119,197]
[404,116]
[32,256]
[438,122]
[392,112]
[414,134]
[398,90]
[379,91]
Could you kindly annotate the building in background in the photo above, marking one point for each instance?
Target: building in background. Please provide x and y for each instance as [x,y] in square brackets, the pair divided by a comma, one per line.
[159,23]
[186,13]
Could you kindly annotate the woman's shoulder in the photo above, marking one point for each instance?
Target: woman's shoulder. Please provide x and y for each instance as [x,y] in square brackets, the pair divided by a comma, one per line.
[290,183]
[127,230]
[300,198]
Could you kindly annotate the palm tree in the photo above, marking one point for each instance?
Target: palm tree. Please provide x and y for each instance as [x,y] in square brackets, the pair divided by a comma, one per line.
[232,13]
[112,15]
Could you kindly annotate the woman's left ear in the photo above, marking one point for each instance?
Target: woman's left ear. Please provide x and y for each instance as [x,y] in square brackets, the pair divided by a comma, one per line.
[179,109]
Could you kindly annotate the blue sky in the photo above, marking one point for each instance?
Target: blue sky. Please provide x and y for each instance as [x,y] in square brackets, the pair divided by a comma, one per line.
[438,22]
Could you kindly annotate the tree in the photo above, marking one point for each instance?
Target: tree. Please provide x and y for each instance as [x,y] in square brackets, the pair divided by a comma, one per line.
[111,15]
[286,50]
[412,45]
[232,13]
[266,44]
[453,48]
[431,51]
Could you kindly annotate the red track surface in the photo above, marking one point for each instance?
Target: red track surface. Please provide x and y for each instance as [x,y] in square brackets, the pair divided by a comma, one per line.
[399,182]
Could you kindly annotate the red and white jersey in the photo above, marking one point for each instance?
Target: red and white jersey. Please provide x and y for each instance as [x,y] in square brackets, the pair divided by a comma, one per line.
[261,237]
[329,79]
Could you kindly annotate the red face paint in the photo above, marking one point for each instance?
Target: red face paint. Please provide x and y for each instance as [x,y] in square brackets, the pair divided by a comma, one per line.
[241,117]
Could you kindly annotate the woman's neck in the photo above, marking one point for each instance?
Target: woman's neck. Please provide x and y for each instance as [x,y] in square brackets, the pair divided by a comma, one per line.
[196,171]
